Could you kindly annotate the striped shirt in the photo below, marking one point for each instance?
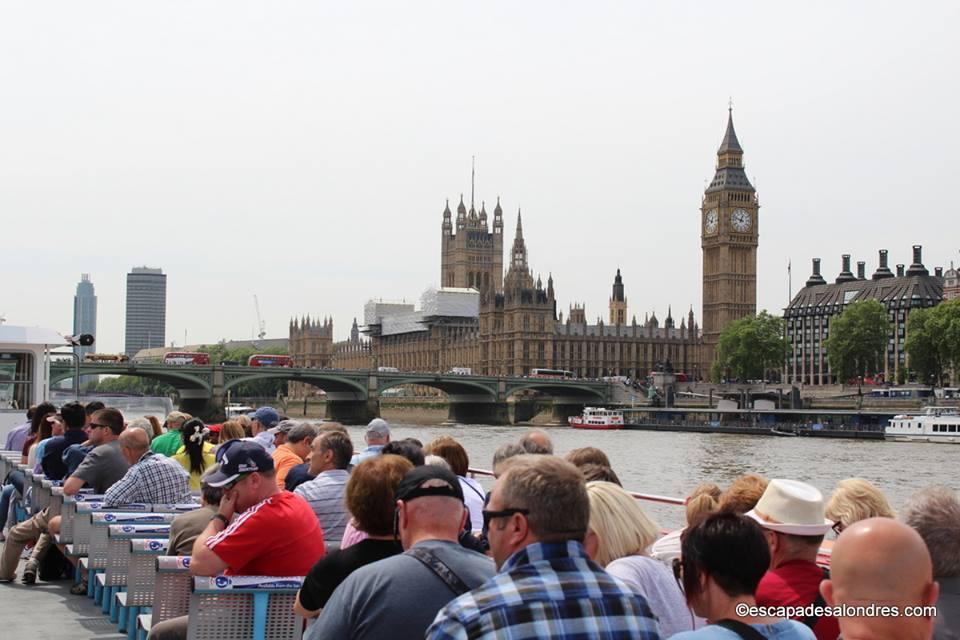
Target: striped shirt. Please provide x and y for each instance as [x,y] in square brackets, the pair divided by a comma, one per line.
[325,495]
[548,590]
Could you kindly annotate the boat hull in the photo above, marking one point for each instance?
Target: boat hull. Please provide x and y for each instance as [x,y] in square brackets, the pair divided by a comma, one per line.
[579,424]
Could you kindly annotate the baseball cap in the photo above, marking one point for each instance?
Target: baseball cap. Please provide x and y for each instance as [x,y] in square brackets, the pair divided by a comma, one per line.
[439,481]
[284,426]
[267,416]
[241,458]
[378,427]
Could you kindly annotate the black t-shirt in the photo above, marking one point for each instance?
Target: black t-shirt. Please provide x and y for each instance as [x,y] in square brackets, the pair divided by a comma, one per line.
[297,476]
[333,568]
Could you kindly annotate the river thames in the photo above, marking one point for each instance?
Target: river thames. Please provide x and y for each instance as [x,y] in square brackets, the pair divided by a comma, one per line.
[671,464]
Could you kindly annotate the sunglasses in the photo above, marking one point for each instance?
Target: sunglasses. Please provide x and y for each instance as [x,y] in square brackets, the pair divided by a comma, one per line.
[503,513]
[837,527]
[94,425]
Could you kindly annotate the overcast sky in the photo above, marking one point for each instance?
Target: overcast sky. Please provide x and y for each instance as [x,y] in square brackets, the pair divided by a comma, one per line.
[303,151]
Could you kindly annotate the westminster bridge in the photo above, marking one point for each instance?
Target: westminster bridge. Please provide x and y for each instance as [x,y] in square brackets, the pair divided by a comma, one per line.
[353,397]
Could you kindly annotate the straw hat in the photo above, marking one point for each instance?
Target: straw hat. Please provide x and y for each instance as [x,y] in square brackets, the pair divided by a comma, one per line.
[792,507]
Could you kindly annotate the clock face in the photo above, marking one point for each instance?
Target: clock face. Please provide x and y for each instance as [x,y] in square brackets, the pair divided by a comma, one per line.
[710,221]
[740,219]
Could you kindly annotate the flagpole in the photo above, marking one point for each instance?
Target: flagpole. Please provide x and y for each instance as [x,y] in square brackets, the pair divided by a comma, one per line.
[789,283]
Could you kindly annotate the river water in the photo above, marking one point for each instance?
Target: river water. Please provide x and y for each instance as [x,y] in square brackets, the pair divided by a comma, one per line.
[671,464]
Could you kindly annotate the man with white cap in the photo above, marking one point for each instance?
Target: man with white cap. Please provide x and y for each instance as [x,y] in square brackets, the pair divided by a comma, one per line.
[791,514]
[376,437]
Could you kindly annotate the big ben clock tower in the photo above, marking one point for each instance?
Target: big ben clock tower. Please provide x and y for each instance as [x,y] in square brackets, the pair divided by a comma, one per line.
[728,237]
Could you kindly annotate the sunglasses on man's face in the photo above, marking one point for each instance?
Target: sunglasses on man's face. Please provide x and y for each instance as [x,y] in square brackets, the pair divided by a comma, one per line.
[94,425]
[503,513]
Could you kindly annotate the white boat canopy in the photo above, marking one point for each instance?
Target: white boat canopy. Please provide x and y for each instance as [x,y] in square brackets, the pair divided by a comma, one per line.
[13,334]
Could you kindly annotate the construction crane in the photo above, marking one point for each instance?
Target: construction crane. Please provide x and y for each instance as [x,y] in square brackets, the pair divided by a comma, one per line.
[260,324]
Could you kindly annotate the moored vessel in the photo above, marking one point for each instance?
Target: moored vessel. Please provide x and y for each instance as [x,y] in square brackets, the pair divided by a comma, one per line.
[936,424]
[597,418]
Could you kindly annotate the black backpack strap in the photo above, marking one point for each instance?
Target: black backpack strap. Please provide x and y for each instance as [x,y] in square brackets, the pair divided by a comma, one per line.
[440,568]
[742,629]
[811,620]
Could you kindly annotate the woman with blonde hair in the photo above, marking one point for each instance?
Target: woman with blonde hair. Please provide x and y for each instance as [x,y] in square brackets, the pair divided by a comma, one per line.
[618,538]
[853,500]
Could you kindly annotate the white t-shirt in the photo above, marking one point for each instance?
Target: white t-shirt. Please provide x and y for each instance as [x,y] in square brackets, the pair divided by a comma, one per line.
[473,497]
[265,440]
[657,584]
[667,548]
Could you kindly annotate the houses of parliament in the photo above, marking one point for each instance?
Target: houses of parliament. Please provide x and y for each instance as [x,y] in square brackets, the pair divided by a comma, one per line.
[508,324]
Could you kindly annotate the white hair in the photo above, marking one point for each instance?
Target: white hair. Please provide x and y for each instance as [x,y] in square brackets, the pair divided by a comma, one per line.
[935,513]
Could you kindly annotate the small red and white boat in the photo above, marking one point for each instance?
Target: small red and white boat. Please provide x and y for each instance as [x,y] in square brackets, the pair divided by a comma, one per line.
[597,418]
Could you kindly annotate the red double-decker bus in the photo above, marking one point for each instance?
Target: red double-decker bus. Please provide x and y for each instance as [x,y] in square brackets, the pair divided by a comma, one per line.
[186,357]
[263,360]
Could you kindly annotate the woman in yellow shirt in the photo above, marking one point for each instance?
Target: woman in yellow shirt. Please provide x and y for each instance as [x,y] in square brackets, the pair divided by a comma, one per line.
[196,454]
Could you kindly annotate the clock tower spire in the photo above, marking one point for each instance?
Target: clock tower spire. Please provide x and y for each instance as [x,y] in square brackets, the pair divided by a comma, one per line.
[728,239]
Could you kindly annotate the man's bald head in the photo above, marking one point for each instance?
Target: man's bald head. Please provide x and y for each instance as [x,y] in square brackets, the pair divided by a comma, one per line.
[135,441]
[880,559]
[884,562]
[430,518]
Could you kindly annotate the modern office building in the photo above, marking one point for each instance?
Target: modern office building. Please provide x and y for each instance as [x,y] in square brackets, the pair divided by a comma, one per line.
[84,312]
[146,309]
[814,308]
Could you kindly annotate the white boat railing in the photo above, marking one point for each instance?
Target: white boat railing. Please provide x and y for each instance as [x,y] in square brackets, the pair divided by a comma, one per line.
[649,497]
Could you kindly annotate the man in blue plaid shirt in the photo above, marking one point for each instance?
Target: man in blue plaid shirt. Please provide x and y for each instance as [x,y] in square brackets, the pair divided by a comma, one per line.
[152,478]
[547,587]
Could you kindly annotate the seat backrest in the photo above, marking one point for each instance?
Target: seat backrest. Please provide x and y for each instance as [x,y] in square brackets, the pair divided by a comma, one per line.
[117,563]
[81,524]
[171,588]
[257,607]
[175,508]
[69,510]
[56,501]
[142,573]
[102,520]
[41,495]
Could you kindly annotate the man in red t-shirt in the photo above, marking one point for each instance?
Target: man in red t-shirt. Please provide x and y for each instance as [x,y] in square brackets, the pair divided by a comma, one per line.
[791,514]
[274,533]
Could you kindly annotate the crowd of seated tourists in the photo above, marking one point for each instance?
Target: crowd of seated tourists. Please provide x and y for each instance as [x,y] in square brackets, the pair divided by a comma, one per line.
[393,538]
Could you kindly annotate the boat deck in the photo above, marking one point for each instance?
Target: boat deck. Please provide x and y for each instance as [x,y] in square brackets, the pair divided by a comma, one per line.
[48,610]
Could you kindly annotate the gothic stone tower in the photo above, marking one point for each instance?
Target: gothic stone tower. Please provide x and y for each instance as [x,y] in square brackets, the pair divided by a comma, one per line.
[470,255]
[618,303]
[728,238]
[517,326]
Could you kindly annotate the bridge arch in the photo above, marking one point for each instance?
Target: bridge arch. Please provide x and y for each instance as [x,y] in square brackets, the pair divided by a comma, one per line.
[179,378]
[567,390]
[329,382]
[453,388]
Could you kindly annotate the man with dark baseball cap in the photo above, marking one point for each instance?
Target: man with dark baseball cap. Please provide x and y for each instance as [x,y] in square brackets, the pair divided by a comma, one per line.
[399,596]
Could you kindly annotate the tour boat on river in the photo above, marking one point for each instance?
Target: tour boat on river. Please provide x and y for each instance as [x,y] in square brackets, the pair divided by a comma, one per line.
[937,424]
[597,418]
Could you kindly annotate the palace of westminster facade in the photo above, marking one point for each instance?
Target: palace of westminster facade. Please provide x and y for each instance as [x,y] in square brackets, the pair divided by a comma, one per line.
[496,324]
